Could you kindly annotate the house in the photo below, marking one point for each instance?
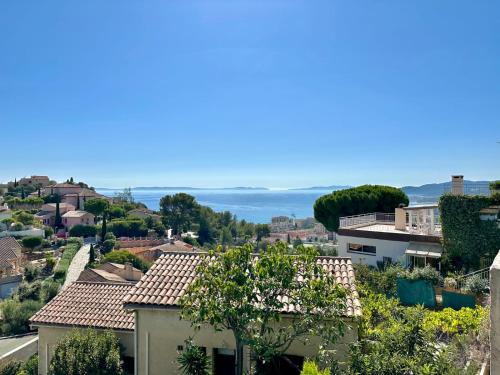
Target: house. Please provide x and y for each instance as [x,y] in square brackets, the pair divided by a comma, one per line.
[280,224]
[112,272]
[85,305]
[152,253]
[411,236]
[41,181]
[73,194]
[160,334]
[72,218]
[144,252]
[47,213]
[10,265]
[175,245]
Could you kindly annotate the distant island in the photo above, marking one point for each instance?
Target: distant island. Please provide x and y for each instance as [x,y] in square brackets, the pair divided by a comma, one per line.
[331,187]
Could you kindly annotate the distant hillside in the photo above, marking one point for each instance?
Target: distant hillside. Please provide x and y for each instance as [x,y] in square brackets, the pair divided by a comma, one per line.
[437,189]
[331,187]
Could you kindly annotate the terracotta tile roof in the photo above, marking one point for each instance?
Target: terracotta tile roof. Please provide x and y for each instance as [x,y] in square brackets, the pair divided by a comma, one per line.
[167,280]
[175,246]
[76,214]
[9,249]
[100,275]
[88,304]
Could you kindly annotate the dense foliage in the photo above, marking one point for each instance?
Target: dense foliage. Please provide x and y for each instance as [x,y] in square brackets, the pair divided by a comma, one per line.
[32,243]
[87,352]
[80,230]
[123,256]
[16,315]
[359,200]
[193,360]
[243,293]
[467,238]
[61,269]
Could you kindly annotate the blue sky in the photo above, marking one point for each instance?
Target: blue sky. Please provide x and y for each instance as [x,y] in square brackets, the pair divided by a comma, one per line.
[254,93]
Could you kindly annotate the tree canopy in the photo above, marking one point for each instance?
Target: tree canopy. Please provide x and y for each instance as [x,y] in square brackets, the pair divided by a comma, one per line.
[355,201]
[123,256]
[179,211]
[96,206]
[243,293]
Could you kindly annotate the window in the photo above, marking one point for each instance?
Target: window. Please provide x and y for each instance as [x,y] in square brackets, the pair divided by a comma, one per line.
[357,248]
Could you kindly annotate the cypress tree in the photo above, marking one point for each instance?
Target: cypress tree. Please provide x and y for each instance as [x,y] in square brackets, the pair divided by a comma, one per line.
[58,219]
[92,254]
[23,193]
[103,229]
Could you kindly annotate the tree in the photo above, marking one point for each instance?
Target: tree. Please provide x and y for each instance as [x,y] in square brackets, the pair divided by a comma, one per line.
[97,206]
[123,256]
[92,254]
[238,291]
[87,352]
[31,272]
[24,217]
[58,218]
[107,246]
[193,360]
[261,231]
[104,228]
[179,211]
[16,315]
[32,243]
[355,201]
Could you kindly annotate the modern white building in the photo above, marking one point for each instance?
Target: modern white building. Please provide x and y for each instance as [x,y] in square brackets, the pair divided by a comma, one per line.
[411,236]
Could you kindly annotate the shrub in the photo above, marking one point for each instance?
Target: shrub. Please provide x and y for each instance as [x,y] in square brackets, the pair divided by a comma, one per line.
[50,262]
[123,256]
[448,322]
[450,282]
[86,352]
[24,217]
[109,236]
[29,291]
[193,360]
[32,243]
[30,367]
[63,265]
[31,272]
[311,368]
[83,231]
[16,227]
[107,246]
[426,273]
[75,240]
[49,290]
[475,284]
[11,368]
[49,232]
[16,315]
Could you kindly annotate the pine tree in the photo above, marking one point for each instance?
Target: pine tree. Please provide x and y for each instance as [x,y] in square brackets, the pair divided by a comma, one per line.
[92,254]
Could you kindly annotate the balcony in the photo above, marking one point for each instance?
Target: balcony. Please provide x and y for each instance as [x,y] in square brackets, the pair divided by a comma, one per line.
[357,221]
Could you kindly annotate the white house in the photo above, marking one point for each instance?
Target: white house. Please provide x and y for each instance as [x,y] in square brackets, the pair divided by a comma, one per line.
[410,236]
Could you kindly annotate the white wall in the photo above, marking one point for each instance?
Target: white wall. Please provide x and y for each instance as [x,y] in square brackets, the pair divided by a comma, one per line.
[37,232]
[393,249]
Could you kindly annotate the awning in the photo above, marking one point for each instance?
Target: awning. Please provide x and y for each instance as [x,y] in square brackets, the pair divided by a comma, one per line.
[424,249]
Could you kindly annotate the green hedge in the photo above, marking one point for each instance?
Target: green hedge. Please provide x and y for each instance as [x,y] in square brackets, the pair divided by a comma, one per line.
[467,238]
[62,267]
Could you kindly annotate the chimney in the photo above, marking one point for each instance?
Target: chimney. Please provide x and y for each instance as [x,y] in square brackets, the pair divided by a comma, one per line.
[128,271]
[400,218]
[457,185]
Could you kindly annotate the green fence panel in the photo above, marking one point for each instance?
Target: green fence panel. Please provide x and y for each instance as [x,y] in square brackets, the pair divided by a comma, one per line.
[416,292]
[458,300]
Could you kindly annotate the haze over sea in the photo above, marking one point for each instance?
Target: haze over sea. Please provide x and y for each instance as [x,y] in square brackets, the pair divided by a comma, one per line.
[257,206]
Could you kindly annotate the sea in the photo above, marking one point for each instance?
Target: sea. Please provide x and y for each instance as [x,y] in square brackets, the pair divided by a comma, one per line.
[256,206]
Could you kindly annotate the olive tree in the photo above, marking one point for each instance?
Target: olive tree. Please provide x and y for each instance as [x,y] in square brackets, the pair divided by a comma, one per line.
[247,294]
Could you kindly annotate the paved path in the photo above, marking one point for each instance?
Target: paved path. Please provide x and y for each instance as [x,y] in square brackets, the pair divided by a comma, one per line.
[6,345]
[77,265]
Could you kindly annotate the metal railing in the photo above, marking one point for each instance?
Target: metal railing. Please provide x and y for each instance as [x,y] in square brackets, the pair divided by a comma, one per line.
[472,188]
[365,219]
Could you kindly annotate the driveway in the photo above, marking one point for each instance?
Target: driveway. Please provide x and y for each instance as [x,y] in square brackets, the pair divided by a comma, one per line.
[77,265]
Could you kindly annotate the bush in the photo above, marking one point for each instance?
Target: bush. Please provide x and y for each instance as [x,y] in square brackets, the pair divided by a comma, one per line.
[31,366]
[426,273]
[475,285]
[376,281]
[109,236]
[16,315]
[86,352]
[123,256]
[75,240]
[193,360]
[108,246]
[450,282]
[83,231]
[32,243]
[31,272]
[49,232]
[69,252]
[448,322]
[50,262]
[49,290]
[24,217]
[29,291]
[11,368]
[311,368]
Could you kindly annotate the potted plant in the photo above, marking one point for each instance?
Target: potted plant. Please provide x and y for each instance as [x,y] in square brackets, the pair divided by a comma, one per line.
[476,286]
[450,283]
